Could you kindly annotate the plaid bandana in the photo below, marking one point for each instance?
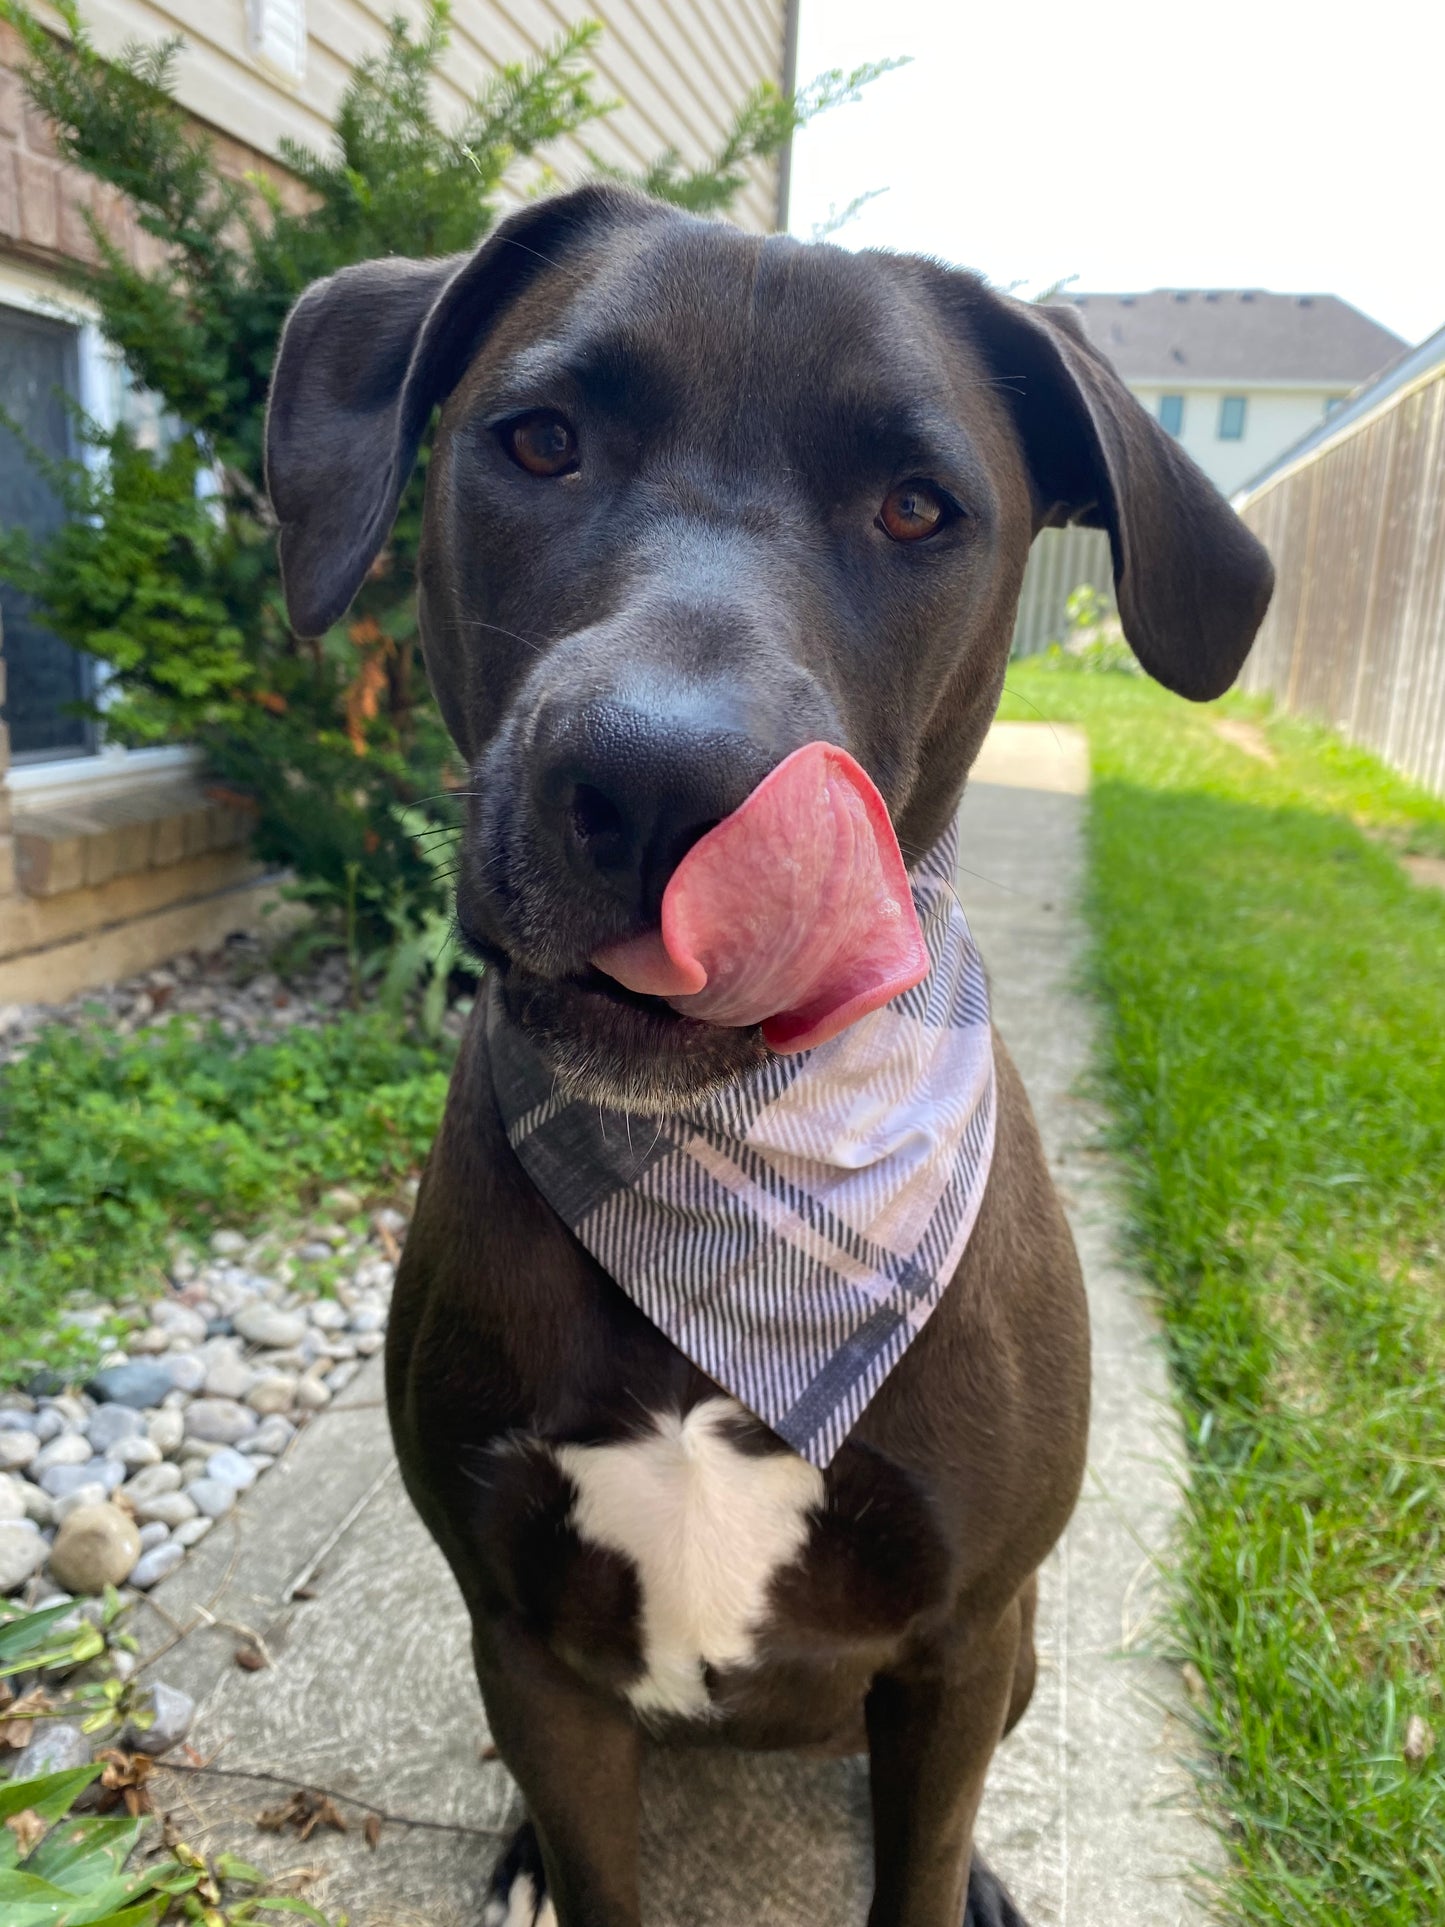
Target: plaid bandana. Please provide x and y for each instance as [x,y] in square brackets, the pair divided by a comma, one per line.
[792,1233]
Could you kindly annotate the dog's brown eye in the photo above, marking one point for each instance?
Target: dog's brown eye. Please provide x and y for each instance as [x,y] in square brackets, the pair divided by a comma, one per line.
[542,443]
[911,512]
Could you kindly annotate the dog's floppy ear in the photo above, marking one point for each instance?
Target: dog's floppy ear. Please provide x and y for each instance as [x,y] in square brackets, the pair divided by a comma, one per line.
[364,358]
[1191,582]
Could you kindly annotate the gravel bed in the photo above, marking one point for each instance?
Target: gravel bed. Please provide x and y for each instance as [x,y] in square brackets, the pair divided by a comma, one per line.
[112,1483]
[234,987]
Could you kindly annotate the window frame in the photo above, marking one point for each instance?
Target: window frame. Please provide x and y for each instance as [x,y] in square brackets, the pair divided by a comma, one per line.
[109,766]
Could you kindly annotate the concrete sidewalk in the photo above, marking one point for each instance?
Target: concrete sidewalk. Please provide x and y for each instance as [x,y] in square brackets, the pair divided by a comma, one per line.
[1088,1815]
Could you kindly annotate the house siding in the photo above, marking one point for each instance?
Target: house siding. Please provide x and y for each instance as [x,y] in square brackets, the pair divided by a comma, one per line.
[681,66]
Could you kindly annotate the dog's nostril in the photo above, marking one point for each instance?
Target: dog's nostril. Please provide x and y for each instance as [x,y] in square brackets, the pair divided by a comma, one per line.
[594,816]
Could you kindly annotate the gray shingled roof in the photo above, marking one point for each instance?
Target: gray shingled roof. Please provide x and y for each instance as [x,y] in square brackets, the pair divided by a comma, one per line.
[1235,334]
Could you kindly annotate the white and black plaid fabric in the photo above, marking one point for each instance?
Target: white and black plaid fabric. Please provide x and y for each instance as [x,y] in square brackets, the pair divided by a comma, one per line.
[793,1233]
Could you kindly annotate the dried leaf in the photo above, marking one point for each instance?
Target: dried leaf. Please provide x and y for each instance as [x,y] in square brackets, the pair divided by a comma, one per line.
[372,1830]
[123,1783]
[1194,1684]
[29,1830]
[304,1812]
[389,1244]
[16,1728]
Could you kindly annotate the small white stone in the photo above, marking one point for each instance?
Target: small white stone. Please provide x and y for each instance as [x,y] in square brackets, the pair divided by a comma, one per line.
[276,1392]
[192,1530]
[12,1497]
[69,1448]
[369,1343]
[227,1244]
[166,1429]
[311,1394]
[170,1508]
[22,1552]
[133,1454]
[213,1497]
[83,1495]
[153,1566]
[181,1321]
[17,1449]
[152,1480]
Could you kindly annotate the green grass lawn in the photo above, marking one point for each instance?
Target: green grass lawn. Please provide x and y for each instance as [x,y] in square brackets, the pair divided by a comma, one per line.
[1275,1055]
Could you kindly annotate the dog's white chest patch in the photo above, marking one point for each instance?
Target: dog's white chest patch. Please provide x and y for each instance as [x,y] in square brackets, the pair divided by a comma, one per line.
[706,1526]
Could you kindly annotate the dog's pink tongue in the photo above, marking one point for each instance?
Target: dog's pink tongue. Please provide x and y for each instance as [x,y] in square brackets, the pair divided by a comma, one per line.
[793,913]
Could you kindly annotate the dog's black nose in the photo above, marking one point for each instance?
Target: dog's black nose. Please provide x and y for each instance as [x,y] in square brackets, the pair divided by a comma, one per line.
[630,788]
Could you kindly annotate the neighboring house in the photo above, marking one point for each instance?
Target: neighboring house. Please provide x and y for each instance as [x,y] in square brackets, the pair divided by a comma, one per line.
[1354,518]
[111,862]
[1236,374]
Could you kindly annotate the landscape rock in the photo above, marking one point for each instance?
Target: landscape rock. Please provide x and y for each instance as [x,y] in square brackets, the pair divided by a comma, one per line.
[82,1496]
[96,1547]
[231,1468]
[138,1384]
[171,1713]
[229,1378]
[227,1244]
[47,1424]
[178,1320]
[60,1481]
[271,1436]
[165,1430]
[219,1421]
[153,1534]
[276,1392]
[135,1453]
[190,1530]
[151,1481]
[368,1344]
[12,1497]
[22,1552]
[67,1448]
[17,1449]
[39,1505]
[111,1424]
[264,1324]
[150,1341]
[213,1497]
[366,1318]
[328,1316]
[186,1370]
[311,1394]
[154,1566]
[166,1508]
[56,1748]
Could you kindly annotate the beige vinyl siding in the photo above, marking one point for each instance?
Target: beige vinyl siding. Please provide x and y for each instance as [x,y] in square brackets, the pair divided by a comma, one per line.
[681,66]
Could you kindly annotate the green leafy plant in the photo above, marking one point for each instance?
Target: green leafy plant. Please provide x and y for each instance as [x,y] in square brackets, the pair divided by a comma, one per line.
[60,1867]
[114,1144]
[166,567]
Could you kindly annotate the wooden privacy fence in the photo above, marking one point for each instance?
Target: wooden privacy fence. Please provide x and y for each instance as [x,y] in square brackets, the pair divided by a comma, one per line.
[1060,561]
[1355,636]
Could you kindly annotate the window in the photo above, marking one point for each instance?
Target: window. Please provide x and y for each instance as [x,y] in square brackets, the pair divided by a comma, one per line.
[46,681]
[1231,418]
[1171,414]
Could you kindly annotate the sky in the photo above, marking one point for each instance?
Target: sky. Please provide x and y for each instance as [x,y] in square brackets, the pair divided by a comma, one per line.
[1242,144]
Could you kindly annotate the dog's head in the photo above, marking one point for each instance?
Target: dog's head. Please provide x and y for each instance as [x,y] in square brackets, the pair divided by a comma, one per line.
[697,498]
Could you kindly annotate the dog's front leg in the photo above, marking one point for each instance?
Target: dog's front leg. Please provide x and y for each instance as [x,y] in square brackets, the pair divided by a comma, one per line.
[576,1757]
[931,1734]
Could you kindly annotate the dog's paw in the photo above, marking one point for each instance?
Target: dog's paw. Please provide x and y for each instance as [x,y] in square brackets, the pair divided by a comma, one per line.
[517,1896]
[988,1901]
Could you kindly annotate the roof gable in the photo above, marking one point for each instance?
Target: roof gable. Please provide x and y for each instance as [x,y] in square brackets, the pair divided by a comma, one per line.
[1235,334]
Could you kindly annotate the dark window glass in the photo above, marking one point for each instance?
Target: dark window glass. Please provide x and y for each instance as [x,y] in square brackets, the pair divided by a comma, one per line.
[1171,414]
[1231,418]
[44,678]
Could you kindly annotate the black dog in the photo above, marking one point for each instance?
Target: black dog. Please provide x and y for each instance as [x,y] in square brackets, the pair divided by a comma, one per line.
[696,499]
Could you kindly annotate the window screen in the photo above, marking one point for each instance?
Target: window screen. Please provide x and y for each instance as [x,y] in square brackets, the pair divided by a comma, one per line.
[44,679]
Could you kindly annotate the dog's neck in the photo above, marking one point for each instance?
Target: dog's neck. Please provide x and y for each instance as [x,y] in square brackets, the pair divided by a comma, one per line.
[791,1232]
